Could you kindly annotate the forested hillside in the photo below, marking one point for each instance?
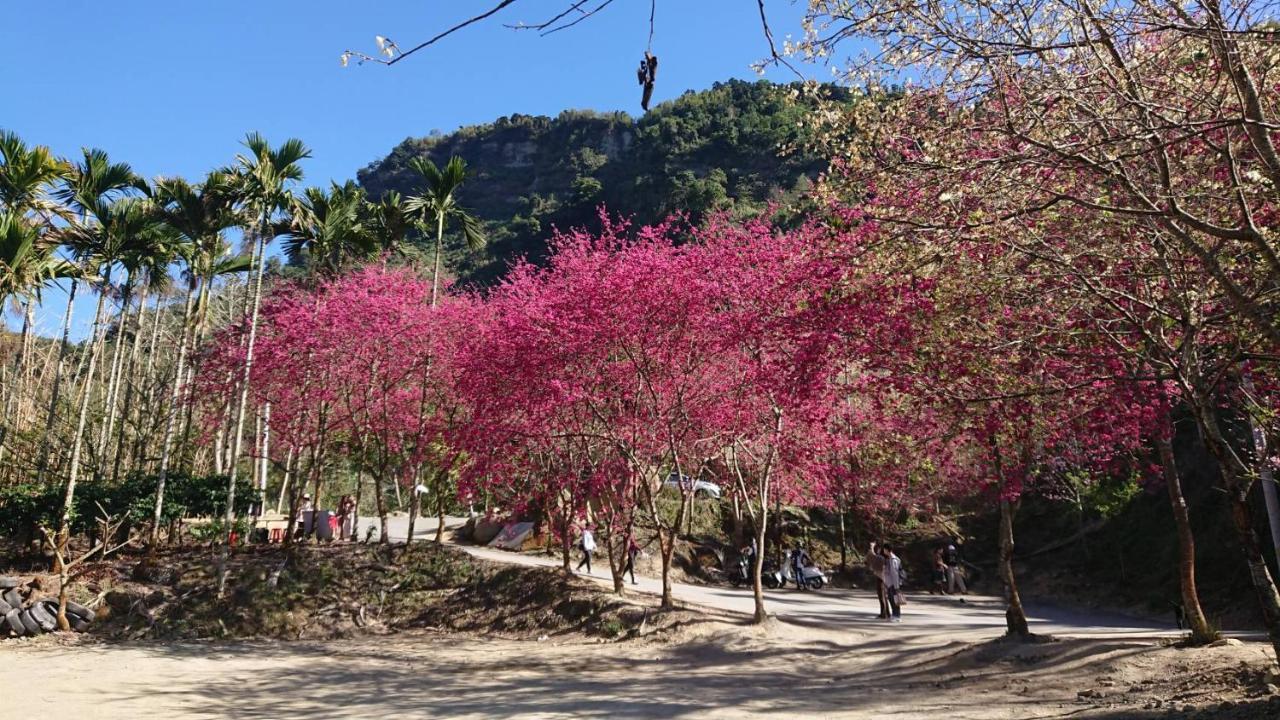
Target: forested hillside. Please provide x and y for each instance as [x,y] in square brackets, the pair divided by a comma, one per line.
[720,149]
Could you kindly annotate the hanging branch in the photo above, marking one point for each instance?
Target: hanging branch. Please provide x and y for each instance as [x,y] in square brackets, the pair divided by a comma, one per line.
[393,53]
[584,16]
[544,25]
[777,59]
[653,10]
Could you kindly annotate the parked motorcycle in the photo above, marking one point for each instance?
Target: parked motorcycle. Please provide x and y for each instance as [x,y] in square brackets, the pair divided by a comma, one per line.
[772,577]
[811,576]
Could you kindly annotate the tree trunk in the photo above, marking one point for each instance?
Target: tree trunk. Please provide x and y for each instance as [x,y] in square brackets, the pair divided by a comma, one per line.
[243,403]
[1200,630]
[1265,474]
[440,518]
[284,483]
[142,440]
[566,543]
[1236,481]
[414,503]
[844,540]
[113,381]
[435,265]
[757,587]
[16,389]
[381,500]
[170,424]
[130,368]
[1263,583]
[264,470]
[68,498]
[1015,616]
[57,382]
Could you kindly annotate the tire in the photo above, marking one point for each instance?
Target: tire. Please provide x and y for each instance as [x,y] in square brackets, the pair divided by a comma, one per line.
[4,608]
[7,582]
[80,611]
[32,627]
[14,623]
[40,613]
[816,583]
[12,597]
[79,625]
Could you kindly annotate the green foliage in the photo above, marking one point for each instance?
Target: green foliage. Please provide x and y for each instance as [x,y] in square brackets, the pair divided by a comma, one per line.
[1109,497]
[716,150]
[26,507]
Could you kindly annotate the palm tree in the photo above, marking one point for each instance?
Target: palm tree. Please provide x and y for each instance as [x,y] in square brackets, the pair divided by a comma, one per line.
[198,214]
[26,266]
[438,205]
[26,174]
[389,222]
[101,242]
[88,186]
[264,177]
[329,228]
[147,265]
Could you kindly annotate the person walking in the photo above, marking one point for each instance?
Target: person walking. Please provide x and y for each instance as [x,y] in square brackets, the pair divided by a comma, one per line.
[955,568]
[632,551]
[588,545]
[875,563]
[893,582]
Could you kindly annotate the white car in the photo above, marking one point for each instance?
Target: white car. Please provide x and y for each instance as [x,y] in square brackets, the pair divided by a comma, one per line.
[700,487]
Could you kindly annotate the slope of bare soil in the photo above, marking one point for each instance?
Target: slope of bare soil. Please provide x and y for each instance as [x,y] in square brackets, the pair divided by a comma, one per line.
[325,592]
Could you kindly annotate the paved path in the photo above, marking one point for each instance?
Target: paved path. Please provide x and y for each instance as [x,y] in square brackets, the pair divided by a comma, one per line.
[842,609]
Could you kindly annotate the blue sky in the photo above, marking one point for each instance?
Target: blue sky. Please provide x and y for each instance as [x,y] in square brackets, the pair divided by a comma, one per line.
[172,87]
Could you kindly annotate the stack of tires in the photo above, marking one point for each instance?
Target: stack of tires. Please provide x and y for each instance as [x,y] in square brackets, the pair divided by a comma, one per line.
[30,616]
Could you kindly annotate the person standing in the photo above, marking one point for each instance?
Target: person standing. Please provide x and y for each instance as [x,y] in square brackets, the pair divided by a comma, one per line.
[893,582]
[799,559]
[588,545]
[346,518]
[940,573]
[955,568]
[875,563]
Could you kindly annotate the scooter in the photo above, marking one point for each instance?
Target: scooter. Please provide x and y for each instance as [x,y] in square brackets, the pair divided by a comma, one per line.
[811,576]
[772,577]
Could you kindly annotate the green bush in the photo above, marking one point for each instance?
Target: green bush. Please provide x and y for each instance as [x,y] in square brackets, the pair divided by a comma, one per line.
[24,508]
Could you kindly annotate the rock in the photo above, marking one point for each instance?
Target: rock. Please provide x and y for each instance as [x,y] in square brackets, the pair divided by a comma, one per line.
[1225,642]
[1272,689]
[121,601]
[1091,693]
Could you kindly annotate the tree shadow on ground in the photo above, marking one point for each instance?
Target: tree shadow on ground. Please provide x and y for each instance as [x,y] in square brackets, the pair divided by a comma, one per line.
[447,676]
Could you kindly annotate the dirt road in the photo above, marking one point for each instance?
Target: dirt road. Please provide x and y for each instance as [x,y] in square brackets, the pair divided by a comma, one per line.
[970,618]
[829,658]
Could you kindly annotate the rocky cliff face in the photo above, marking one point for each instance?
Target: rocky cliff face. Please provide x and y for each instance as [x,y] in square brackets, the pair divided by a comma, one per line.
[703,152]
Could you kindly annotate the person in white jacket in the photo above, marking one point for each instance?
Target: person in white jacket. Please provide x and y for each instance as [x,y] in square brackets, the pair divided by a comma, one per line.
[893,582]
[588,545]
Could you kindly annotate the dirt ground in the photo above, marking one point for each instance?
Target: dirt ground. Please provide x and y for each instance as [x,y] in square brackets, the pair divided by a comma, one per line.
[710,666]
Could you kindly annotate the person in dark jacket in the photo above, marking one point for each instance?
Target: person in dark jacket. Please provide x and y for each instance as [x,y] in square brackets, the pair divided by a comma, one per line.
[876,564]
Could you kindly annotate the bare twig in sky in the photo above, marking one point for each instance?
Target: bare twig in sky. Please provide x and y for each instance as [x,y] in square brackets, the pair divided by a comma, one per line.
[560,21]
